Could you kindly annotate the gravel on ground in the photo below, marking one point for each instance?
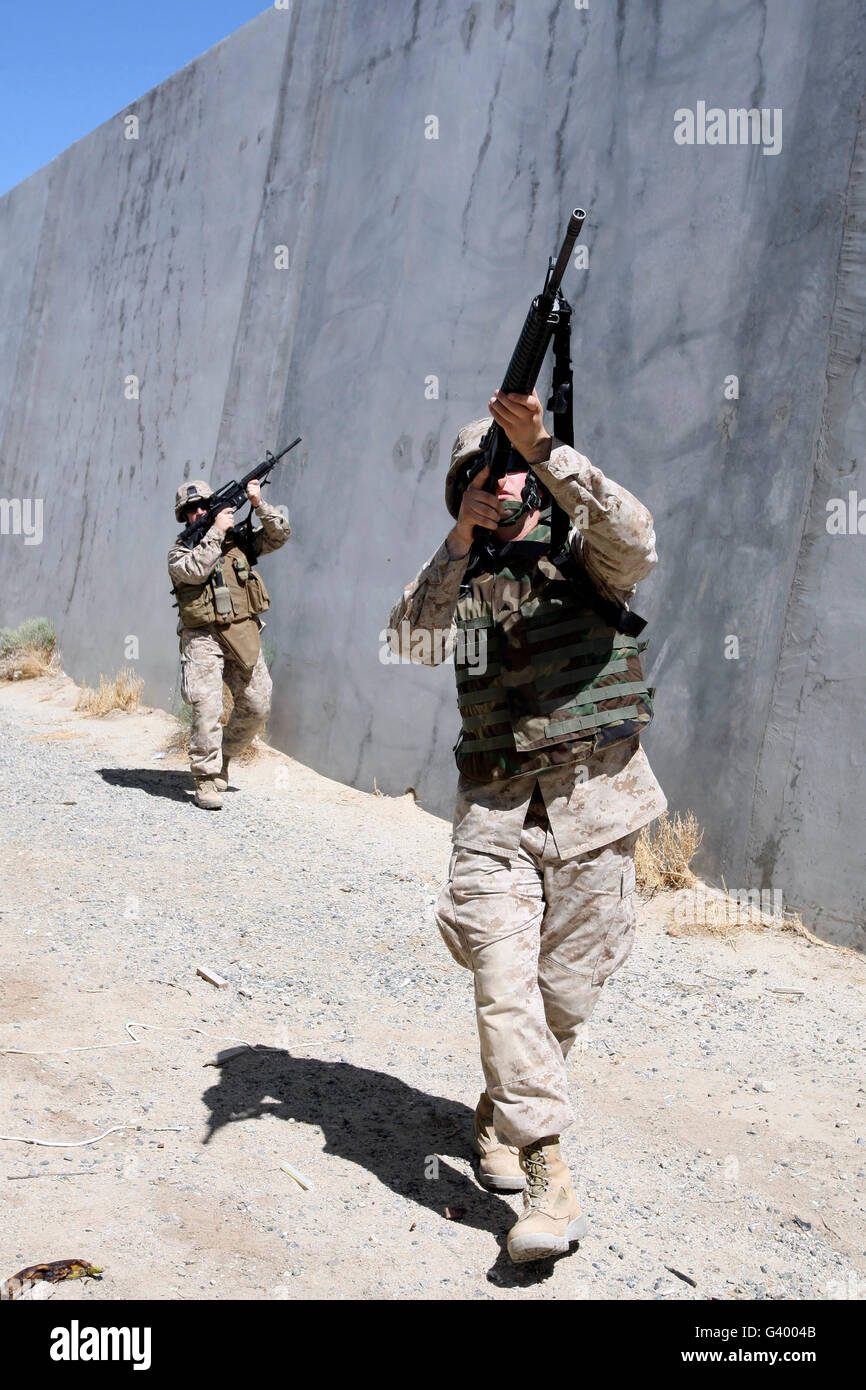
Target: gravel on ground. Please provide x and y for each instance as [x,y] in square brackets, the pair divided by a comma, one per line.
[719,1088]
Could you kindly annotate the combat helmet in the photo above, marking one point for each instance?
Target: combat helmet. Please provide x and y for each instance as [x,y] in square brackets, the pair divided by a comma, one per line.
[466,446]
[196,491]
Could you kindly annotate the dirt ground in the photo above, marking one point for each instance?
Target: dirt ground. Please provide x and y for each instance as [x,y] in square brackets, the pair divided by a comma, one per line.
[719,1088]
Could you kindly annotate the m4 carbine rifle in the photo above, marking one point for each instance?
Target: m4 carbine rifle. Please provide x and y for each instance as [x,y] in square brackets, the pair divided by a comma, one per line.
[549,317]
[234,495]
[549,313]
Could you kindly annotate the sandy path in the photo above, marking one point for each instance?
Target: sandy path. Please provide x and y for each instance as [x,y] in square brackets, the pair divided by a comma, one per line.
[712,1110]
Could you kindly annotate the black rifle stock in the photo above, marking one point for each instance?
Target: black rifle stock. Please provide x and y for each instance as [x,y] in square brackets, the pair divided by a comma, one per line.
[234,495]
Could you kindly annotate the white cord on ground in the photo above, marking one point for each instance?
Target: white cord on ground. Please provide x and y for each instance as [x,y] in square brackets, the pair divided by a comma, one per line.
[115,1129]
[61,1143]
[159,1027]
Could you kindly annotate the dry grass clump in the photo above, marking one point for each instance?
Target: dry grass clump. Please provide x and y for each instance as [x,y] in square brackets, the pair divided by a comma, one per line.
[793,922]
[120,691]
[721,912]
[665,850]
[178,739]
[24,664]
[663,856]
[726,913]
[27,651]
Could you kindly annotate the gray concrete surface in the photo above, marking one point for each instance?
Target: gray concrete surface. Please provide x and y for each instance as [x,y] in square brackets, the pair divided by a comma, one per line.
[413,257]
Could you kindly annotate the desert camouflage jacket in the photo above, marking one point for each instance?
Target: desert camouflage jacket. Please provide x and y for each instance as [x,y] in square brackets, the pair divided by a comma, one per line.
[189,566]
[613,791]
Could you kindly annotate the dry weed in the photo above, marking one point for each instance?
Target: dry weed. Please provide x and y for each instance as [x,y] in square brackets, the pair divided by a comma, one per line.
[726,915]
[26,663]
[121,691]
[28,651]
[665,850]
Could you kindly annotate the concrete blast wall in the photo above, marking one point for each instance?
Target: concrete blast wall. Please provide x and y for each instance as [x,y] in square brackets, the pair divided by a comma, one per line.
[411,258]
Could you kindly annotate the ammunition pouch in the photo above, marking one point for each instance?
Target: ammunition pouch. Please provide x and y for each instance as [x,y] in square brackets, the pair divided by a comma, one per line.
[232,593]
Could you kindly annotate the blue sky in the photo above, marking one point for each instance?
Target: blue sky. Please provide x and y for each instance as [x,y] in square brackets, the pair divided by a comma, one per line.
[68,65]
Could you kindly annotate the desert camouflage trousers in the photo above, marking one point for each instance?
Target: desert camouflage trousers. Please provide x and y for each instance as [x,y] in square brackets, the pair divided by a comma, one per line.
[541,935]
[204,665]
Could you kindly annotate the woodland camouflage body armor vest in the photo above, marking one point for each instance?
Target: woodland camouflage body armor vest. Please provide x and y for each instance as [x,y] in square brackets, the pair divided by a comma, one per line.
[232,591]
[561,679]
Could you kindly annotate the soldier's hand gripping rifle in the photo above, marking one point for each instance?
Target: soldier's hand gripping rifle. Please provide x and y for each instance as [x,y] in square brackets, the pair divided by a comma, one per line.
[545,314]
[234,495]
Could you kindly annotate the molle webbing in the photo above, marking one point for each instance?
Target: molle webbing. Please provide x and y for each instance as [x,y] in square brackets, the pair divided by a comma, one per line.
[582,710]
[233,592]
[554,666]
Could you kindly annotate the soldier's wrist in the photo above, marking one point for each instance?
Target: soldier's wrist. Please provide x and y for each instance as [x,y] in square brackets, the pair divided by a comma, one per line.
[457,545]
[540,451]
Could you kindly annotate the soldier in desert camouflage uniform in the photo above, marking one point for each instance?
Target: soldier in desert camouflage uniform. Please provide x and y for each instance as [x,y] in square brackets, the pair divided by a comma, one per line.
[220,597]
[554,786]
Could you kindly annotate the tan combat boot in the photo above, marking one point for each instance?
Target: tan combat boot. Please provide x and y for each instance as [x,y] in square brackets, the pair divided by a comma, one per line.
[206,794]
[551,1212]
[500,1163]
[222,780]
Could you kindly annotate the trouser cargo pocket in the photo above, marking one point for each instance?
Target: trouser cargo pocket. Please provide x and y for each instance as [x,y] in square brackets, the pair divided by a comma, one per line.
[445,916]
[619,939]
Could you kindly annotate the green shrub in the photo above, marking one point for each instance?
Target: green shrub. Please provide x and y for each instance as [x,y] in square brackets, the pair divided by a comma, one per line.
[33,632]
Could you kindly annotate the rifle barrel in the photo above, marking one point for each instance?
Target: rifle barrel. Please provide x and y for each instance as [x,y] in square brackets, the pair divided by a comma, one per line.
[194,530]
[267,464]
[572,232]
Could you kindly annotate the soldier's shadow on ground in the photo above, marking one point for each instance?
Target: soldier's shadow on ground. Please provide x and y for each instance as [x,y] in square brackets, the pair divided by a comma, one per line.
[398,1133]
[173,786]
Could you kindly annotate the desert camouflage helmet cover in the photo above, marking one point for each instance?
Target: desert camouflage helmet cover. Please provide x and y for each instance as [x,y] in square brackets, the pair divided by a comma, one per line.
[466,444]
[196,491]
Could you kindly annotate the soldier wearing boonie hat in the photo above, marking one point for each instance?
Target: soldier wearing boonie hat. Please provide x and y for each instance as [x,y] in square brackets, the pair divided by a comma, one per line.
[554,786]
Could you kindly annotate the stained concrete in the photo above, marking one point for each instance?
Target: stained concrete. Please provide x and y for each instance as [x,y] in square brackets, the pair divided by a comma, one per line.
[412,257]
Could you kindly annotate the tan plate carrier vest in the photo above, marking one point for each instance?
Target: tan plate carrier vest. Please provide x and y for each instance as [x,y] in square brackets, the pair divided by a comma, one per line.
[560,680]
[233,593]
